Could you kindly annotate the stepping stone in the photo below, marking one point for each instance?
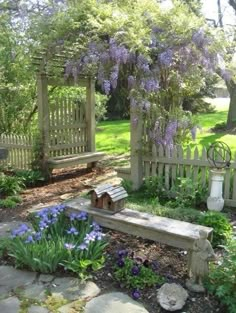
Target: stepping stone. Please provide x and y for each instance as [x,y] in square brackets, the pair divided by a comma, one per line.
[37,309]
[10,305]
[72,307]
[72,289]
[44,278]
[115,302]
[10,278]
[35,291]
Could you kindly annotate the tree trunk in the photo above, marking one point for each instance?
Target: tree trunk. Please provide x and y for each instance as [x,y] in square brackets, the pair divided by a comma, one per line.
[231,119]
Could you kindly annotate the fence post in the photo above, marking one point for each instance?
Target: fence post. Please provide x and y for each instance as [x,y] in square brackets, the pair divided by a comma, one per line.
[136,132]
[90,115]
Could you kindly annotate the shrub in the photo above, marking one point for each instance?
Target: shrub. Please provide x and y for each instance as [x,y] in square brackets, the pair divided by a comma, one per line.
[153,187]
[75,242]
[127,185]
[30,177]
[222,278]
[220,224]
[10,202]
[136,273]
[10,185]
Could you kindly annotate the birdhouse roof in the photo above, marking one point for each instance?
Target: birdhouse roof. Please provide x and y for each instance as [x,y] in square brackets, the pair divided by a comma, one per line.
[116,193]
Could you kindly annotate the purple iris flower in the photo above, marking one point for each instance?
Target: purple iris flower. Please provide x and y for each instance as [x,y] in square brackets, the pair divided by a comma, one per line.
[29,239]
[82,216]
[96,226]
[72,231]
[69,246]
[83,246]
[122,253]
[21,230]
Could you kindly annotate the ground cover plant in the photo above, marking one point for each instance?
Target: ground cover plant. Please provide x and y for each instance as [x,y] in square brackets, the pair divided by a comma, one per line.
[222,277]
[57,241]
[136,273]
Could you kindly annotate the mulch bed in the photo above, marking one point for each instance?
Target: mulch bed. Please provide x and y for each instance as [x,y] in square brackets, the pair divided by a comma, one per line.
[171,262]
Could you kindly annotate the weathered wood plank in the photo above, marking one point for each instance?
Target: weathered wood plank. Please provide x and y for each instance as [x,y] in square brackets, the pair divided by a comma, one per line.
[164,230]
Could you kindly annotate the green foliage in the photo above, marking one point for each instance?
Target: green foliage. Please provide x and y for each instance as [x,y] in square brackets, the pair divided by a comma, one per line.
[153,187]
[222,278]
[10,185]
[127,185]
[10,202]
[188,193]
[30,177]
[56,240]
[131,273]
[220,224]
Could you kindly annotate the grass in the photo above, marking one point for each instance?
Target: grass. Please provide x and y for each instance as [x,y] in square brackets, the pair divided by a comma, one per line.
[113,137]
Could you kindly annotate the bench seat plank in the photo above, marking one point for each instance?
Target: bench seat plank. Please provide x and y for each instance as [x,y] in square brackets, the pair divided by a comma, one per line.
[161,229]
[74,159]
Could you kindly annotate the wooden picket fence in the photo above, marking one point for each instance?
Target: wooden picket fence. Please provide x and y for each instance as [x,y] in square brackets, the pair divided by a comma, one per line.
[20,151]
[170,164]
[67,127]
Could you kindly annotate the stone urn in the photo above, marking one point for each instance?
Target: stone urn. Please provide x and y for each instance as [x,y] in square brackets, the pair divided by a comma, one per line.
[215,201]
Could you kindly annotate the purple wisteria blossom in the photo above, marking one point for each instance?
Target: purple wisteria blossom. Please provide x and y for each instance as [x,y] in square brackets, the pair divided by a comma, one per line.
[194,132]
[114,76]
[106,86]
[199,38]
[143,64]
[131,82]
[166,58]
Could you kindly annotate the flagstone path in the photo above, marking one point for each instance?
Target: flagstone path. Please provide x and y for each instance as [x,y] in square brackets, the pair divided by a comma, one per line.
[17,286]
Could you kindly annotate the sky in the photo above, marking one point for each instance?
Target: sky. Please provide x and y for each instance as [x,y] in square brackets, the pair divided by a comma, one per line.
[210,11]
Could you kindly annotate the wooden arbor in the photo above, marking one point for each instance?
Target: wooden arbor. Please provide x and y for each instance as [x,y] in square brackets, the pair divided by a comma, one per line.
[66,127]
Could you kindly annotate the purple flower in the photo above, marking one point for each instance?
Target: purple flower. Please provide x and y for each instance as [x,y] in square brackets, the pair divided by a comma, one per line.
[82,216]
[106,86]
[131,81]
[43,225]
[199,38]
[122,253]
[135,270]
[166,57]
[69,246]
[120,263]
[38,236]
[136,294]
[83,246]
[29,239]
[21,230]
[72,231]
[95,226]
[194,132]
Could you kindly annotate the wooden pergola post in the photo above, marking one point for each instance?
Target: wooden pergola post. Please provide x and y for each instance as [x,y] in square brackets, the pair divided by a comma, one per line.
[136,131]
[90,115]
[43,119]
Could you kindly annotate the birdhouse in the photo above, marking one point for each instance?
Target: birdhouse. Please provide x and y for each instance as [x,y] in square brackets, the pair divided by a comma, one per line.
[109,198]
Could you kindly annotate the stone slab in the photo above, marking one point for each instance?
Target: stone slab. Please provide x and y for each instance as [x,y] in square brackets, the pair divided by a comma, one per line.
[11,278]
[35,291]
[72,289]
[114,302]
[10,305]
[37,309]
[46,278]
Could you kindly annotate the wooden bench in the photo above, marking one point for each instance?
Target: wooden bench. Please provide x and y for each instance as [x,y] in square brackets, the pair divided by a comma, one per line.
[148,226]
[74,159]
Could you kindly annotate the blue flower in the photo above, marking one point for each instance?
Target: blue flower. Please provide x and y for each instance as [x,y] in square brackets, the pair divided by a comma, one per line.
[38,236]
[136,294]
[72,231]
[29,239]
[43,225]
[82,216]
[69,246]
[122,253]
[83,246]
[95,226]
[21,230]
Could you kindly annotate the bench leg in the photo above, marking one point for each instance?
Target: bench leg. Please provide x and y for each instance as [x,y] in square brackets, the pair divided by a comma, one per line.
[91,165]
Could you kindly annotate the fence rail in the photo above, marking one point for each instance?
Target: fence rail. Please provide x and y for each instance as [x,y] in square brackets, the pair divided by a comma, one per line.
[170,164]
[20,149]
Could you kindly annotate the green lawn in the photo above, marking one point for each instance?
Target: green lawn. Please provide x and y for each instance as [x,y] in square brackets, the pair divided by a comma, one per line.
[113,137]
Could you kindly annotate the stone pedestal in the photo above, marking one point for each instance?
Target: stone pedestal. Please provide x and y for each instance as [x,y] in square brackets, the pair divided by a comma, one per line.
[215,201]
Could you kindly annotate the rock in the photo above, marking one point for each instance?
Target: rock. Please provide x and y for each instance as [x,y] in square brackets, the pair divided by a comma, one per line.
[172,297]
[10,278]
[37,309]
[44,278]
[10,305]
[72,307]
[72,289]
[114,302]
[35,291]
[194,287]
